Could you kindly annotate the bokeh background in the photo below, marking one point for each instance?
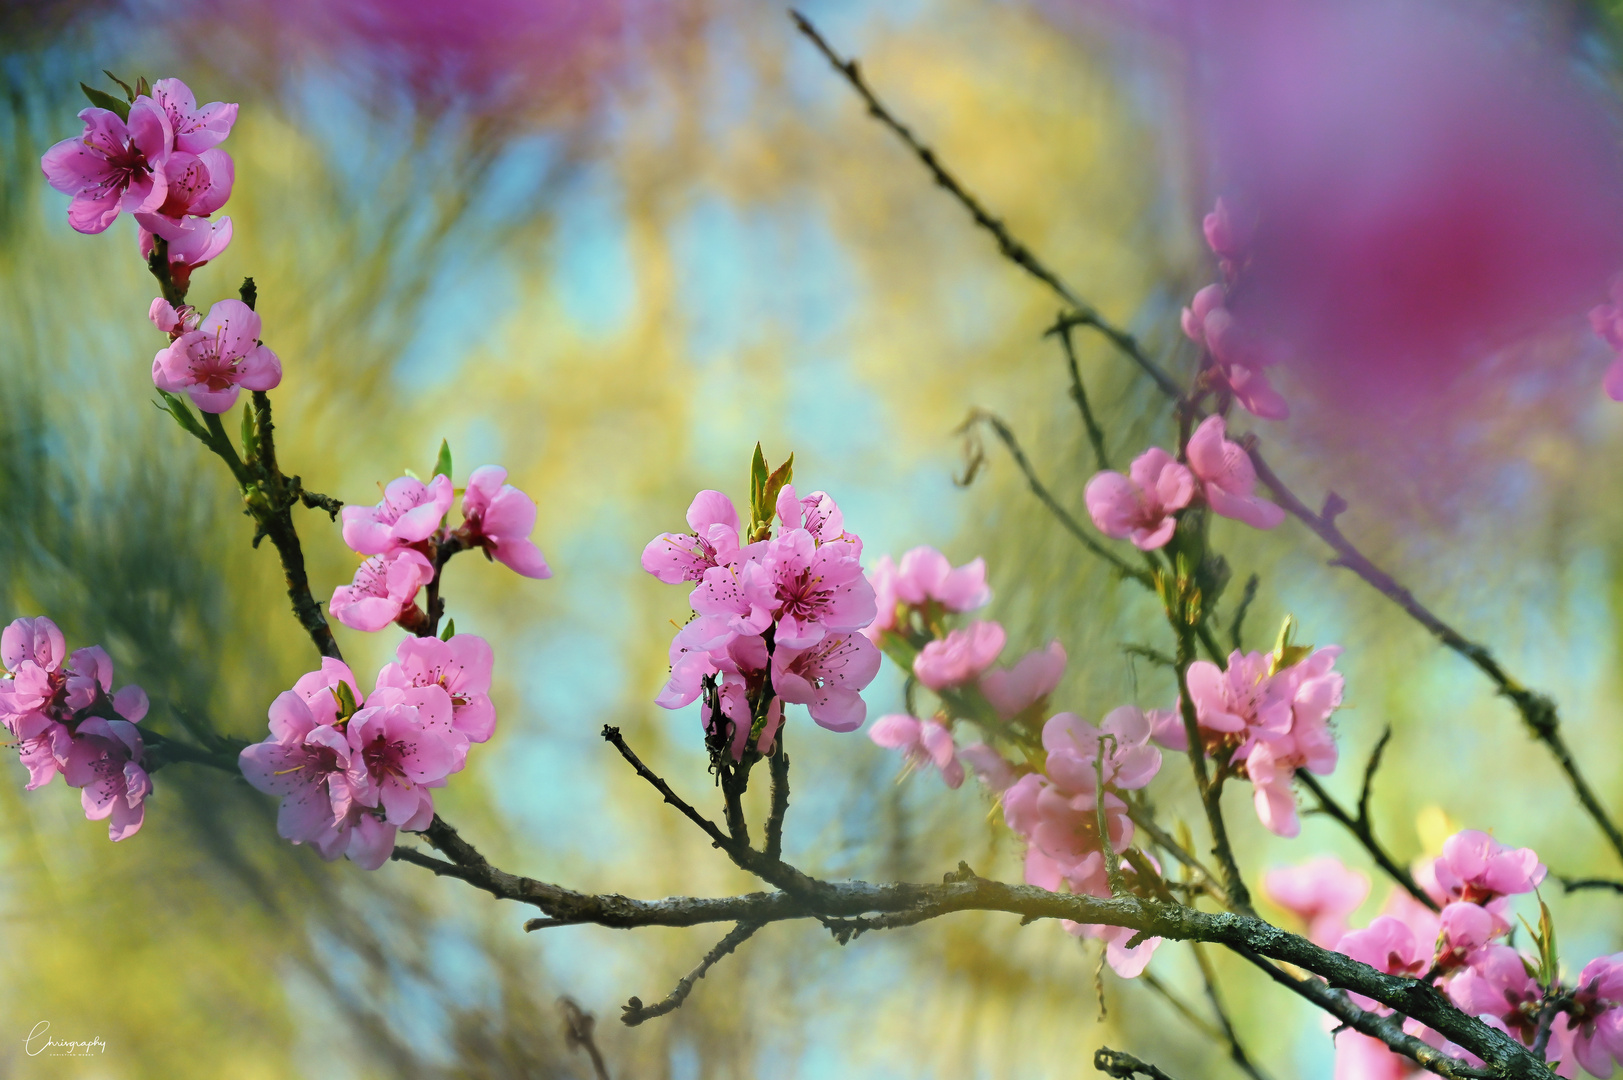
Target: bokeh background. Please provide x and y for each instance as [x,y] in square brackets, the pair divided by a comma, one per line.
[610,245]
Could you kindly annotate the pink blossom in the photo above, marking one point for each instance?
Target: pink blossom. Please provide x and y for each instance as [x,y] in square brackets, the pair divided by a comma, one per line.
[1476,868]
[397,751]
[196,185]
[171,320]
[1228,235]
[1495,984]
[115,165]
[218,359]
[1275,757]
[677,557]
[192,242]
[1237,354]
[1464,929]
[105,762]
[1596,1021]
[461,666]
[1027,684]
[1228,477]
[1140,505]
[1435,182]
[1167,727]
[1388,945]
[1359,1057]
[409,513]
[922,742]
[305,762]
[882,576]
[960,657]
[1074,747]
[816,513]
[319,689]
[1322,893]
[1242,701]
[925,576]
[1088,877]
[810,589]
[1607,319]
[384,586]
[826,677]
[499,518]
[990,767]
[42,695]
[196,129]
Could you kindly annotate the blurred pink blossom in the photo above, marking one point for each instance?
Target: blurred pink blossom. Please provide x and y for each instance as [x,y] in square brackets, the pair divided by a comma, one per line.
[1322,892]
[1014,690]
[1140,505]
[923,743]
[960,657]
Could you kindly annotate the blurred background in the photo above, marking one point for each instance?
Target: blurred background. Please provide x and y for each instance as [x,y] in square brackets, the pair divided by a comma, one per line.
[609,245]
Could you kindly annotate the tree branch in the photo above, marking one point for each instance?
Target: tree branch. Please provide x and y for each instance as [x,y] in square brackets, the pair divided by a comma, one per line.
[915,903]
[634,1010]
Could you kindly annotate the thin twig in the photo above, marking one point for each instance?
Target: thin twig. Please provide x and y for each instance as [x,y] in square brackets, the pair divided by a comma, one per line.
[1197,1021]
[1365,834]
[578,1034]
[635,1012]
[1038,489]
[779,766]
[1237,1054]
[1575,884]
[1062,328]
[1124,1066]
[721,840]
[1244,606]
[1538,711]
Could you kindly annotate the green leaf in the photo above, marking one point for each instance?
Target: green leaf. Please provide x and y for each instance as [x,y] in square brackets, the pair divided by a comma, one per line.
[250,433]
[450,630]
[1548,959]
[1286,654]
[346,700]
[101,99]
[142,87]
[442,465]
[414,475]
[177,408]
[122,85]
[782,475]
[758,477]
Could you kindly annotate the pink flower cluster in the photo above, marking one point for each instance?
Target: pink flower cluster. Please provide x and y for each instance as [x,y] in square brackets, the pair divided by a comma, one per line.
[65,717]
[1057,812]
[778,620]
[1460,951]
[212,359]
[351,770]
[926,583]
[161,163]
[1237,354]
[1142,506]
[1268,719]
[914,597]
[404,537]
